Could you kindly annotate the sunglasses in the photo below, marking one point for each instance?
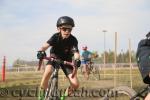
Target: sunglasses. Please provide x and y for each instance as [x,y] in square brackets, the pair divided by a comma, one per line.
[66,29]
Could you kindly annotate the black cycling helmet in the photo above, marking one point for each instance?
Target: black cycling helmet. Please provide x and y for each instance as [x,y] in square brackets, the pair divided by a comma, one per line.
[65,20]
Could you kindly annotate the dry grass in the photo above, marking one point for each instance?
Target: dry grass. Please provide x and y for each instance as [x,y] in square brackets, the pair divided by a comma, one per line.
[31,80]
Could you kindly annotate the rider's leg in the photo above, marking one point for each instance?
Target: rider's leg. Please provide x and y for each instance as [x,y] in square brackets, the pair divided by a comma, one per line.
[85,69]
[147,97]
[44,82]
[46,76]
[74,83]
[83,62]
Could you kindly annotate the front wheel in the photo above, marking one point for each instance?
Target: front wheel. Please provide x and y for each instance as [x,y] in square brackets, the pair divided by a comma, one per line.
[52,91]
[121,93]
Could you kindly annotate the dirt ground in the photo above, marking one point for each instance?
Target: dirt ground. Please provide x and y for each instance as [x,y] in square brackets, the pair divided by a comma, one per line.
[24,85]
[89,90]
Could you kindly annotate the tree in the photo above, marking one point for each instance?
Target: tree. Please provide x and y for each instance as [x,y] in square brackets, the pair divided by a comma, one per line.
[24,63]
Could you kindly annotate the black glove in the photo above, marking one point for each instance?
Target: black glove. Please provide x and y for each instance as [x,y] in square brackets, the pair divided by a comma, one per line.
[77,63]
[41,54]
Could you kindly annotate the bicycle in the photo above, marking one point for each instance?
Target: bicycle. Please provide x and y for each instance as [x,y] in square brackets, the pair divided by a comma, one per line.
[91,69]
[52,90]
[127,93]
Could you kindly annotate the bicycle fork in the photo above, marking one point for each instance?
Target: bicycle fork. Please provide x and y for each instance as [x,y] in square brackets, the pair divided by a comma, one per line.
[52,90]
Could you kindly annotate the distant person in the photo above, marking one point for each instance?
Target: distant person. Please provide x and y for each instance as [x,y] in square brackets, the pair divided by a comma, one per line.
[143,60]
[64,46]
[86,56]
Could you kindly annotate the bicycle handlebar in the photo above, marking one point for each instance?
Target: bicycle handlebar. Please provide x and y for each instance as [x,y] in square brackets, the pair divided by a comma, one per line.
[59,62]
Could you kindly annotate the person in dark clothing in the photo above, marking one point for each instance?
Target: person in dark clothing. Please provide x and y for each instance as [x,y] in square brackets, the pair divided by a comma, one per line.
[143,60]
[64,46]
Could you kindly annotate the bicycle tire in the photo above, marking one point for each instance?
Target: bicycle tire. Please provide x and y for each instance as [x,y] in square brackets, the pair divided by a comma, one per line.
[81,68]
[52,91]
[91,65]
[121,93]
[95,72]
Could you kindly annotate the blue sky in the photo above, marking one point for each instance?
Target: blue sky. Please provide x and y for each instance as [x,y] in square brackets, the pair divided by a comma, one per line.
[26,24]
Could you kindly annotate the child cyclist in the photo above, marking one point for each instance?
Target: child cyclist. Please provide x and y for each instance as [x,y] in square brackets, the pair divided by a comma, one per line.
[86,56]
[64,46]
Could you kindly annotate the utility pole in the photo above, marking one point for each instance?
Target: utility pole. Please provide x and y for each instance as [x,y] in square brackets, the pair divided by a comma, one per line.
[104,59]
[115,59]
[130,63]
[3,69]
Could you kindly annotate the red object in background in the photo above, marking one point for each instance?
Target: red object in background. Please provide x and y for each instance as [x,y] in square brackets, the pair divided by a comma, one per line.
[3,69]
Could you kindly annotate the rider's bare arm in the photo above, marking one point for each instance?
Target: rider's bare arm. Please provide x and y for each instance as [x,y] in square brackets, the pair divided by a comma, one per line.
[76,55]
[44,47]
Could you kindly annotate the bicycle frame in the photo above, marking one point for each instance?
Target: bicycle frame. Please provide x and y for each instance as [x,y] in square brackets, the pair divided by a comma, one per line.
[51,92]
[90,65]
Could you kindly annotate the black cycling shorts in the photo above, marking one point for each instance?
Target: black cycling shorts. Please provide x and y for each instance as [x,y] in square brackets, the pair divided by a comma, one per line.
[67,69]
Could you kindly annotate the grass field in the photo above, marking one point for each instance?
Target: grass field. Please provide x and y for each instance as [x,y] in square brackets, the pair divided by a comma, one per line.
[24,85]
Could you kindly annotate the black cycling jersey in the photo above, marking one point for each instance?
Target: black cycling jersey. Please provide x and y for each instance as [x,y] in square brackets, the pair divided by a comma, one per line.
[63,48]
